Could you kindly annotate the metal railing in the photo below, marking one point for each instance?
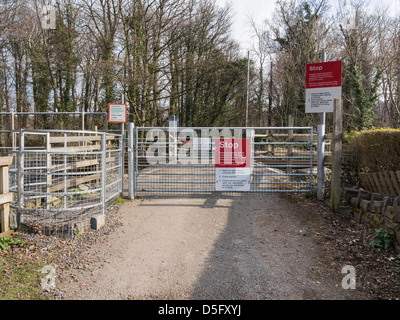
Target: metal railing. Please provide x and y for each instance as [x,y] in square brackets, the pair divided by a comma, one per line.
[63,178]
[182,160]
[12,122]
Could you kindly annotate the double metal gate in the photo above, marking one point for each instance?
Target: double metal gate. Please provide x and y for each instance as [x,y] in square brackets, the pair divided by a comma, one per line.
[62,178]
[173,160]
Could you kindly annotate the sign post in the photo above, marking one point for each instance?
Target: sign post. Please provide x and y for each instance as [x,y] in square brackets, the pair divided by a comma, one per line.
[232,164]
[323,86]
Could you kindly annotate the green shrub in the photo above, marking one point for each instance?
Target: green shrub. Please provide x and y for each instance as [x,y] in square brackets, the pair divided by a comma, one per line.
[376,150]
[383,240]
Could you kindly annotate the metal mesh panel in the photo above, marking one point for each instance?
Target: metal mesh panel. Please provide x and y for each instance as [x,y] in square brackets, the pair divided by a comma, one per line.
[61,178]
[172,161]
[114,166]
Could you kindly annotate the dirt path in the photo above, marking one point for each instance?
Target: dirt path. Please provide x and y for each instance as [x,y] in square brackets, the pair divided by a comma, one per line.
[247,248]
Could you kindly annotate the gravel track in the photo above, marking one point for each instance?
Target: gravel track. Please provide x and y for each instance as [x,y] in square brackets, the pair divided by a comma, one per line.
[257,248]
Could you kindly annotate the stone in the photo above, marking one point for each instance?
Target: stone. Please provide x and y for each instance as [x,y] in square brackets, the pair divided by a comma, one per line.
[365,204]
[376,206]
[83,187]
[397,231]
[377,197]
[364,195]
[354,202]
[357,215]
[98,221]
[390,223]
[388,212]
[377,219]
[365,218]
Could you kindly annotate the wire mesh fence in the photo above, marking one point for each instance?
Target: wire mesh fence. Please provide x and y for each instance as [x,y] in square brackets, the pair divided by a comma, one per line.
[182,161]
[63,178]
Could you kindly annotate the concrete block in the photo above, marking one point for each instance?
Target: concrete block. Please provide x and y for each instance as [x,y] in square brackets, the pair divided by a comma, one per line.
[98,221]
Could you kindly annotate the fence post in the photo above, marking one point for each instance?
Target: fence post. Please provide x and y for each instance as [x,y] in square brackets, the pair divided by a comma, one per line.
[121,163]
[131,161]
[336,154]
[320,162]
[103,172]
[14,147]
[250,134]
[20,181]
[5,196]
[290,147]
[48,170]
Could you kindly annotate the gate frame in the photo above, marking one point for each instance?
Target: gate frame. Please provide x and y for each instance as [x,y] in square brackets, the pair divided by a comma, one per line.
[18,170]
[132,148]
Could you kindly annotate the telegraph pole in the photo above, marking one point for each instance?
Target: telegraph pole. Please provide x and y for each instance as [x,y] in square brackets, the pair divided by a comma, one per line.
[247,88]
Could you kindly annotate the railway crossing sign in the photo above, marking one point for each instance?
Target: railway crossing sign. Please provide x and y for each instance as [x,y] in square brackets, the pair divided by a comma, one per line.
[232,164]
[323,86]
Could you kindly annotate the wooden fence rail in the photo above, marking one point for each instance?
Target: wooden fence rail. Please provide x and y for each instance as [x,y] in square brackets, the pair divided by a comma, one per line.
[5,196]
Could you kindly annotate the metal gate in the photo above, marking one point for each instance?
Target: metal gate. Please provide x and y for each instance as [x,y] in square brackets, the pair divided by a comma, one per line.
[182,161]
[63,178]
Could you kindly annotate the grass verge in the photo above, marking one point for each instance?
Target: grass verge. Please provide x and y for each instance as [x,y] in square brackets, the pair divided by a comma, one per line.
[20,272]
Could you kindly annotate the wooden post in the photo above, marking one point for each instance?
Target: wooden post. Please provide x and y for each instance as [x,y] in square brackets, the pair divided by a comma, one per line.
[5,196]
[336,154]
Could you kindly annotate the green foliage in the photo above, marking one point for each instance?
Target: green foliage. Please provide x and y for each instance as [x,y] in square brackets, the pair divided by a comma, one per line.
[383,240]
[376,150]
[120,200]
[298,47]
[365,97]
[5,242]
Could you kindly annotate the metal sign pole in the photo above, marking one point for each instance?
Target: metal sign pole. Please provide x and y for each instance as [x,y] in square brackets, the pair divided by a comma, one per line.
[321,151]
[131,160]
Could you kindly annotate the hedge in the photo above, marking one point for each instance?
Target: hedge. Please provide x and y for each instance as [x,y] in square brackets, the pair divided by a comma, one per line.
[376,150]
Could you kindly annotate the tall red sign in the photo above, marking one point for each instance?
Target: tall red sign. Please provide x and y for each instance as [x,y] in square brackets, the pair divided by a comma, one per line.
[324,75]
[323,85]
